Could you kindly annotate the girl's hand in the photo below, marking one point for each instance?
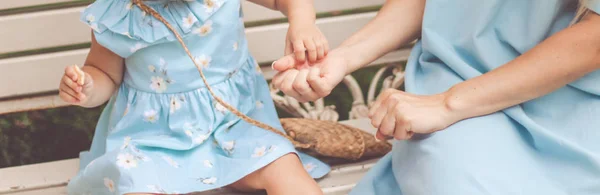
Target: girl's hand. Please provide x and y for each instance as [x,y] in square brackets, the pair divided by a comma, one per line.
[399,114]
[306,41]
[75,86]
[309,83]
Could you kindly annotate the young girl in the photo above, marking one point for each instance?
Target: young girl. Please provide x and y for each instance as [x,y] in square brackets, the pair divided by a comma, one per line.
[164,131]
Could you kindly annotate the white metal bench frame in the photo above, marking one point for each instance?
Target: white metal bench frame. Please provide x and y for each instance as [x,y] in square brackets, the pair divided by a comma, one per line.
[36,79]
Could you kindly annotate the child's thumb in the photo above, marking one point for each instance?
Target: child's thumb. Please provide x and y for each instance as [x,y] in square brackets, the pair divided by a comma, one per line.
[284,63]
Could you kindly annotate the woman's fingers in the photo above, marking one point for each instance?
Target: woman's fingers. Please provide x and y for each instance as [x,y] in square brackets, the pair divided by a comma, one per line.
[302,87]
[318,84]
[388,125]
[287,85]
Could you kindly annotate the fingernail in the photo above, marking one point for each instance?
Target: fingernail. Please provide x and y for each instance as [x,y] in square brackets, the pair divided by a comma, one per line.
[273,65]
[376,139]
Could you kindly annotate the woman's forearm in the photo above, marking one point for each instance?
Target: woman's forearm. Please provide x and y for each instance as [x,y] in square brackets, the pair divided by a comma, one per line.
[397,24]
[557,61]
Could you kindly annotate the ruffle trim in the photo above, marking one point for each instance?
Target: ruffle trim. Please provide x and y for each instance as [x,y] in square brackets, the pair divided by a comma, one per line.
[124,18]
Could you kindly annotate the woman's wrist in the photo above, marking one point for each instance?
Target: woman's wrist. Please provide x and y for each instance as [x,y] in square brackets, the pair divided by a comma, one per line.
[349,55]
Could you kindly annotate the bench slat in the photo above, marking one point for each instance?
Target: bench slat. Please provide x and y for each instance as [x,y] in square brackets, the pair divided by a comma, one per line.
[10,4]
[52,177]
[46,29]
[41,73]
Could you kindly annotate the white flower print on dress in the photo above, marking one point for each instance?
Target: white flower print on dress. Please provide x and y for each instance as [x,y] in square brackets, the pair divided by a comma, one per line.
[189,21]
[136,47]
[151,116]
[208,164]
[200,139]
[126,161]
[210,180]
[235,46]
[229,146]
[152,68]
[175,105]
[309,167]
[211,5]
[163,66]
[220,108]
[203,60]
[158,84]
[129,6]
[170,161]
[259,152]
[188,133]
[90,18]
[110,184]
[205,29]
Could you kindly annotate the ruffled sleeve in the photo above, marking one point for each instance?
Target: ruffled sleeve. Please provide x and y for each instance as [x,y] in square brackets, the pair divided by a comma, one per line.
[123,28]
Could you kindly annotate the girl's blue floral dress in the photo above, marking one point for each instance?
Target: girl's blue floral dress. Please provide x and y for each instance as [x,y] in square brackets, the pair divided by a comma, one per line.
[162,132]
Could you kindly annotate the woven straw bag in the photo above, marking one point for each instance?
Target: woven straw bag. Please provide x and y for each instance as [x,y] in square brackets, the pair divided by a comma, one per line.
[332,139]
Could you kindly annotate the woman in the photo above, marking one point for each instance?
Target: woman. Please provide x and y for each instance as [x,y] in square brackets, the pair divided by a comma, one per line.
[507,92]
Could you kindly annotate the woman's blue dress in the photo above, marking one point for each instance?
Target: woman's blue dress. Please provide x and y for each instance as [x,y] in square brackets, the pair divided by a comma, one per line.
[549,145]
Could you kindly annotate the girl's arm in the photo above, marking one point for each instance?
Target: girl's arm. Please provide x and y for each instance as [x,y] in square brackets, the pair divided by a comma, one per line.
[557,61]
[103,74]
[303,39]
[106,70]
[297,11]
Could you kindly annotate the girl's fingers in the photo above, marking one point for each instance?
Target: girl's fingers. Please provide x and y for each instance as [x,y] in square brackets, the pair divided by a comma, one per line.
[311,47]
[71,92]
[71,73]
[288,48]
[299,50]
[325,46]
[320,49]
[66,97]
[71,84]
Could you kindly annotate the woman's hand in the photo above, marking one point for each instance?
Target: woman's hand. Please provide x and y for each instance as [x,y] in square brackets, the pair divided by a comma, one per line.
[75,86]
[309,83]
[306,41]
[399,114]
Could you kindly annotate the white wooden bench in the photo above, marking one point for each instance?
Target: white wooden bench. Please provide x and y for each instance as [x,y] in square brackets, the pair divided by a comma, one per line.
[38,38]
